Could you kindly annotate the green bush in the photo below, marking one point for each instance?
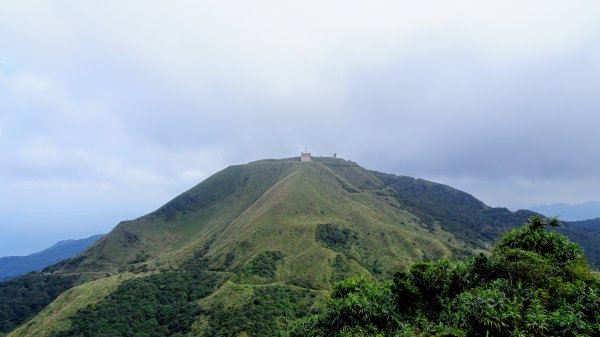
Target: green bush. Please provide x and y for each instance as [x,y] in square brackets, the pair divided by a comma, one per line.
[358,307]
[336,237]
[535,282]
[265,263]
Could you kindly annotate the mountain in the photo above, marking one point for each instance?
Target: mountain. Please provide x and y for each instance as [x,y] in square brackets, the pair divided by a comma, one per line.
[13,266]
[247,249]
[320,209]
[580,212]
[587,234]
[590,224]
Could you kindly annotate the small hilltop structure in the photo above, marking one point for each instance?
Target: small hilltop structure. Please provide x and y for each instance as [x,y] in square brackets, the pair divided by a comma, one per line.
[305,156]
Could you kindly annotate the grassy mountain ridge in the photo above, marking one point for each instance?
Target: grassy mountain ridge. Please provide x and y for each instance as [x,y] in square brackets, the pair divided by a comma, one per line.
[245,208]
[272,232]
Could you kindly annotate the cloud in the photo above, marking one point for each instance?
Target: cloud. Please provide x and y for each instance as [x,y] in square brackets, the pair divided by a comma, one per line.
[138,102]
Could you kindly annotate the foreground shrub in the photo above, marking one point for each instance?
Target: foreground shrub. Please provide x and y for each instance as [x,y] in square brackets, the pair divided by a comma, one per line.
[534,282]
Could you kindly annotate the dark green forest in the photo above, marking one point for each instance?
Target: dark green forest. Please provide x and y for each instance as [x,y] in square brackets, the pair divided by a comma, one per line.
[157,305]
[469,219]
[534,282]
[264,315]
[25,296]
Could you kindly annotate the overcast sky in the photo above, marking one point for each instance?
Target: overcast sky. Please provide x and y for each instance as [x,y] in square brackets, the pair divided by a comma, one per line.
[108,109]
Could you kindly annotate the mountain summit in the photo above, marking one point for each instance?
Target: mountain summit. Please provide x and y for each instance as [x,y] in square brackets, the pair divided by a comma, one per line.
[255,243]
[311,213]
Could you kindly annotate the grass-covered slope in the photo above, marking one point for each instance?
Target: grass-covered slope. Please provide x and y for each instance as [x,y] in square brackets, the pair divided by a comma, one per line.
[309,219]
[183,225]
[298,210]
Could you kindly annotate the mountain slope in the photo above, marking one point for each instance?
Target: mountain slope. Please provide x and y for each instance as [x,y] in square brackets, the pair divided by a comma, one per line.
[587,234]
[13,266]
[456,211]
[267,235]
[280,205]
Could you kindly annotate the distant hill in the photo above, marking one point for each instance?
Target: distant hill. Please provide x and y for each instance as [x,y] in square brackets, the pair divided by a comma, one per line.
[585,211]
[248,248]
[13,266]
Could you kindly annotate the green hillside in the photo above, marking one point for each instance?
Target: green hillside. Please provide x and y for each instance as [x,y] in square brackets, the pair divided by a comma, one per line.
[253,246]
[297,210]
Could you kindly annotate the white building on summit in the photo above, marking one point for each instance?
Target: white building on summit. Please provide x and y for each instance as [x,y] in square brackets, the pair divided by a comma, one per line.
[305,156]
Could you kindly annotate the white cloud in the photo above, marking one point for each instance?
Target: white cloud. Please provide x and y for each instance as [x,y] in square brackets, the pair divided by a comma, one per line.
[524,192]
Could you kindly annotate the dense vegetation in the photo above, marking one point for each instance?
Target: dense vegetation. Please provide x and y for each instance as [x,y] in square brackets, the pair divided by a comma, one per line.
[336,238]
[263,315]
[162,304]
[25,296]
[264,264]
[469,219]
[535,282]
